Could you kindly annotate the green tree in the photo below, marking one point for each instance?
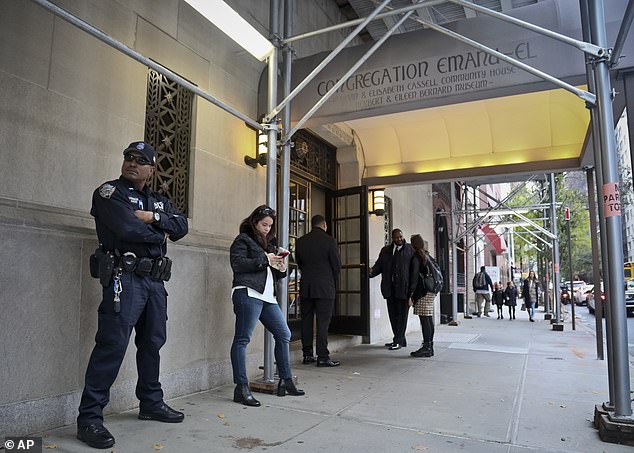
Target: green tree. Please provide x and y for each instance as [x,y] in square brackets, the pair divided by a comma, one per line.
[569,191]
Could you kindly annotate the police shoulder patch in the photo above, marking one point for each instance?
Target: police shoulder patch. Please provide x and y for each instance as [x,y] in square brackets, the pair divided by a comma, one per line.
[106,190]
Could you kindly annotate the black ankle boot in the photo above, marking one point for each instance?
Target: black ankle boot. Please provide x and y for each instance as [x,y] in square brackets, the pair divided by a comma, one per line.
[426,350]
[288,386]
[242,394]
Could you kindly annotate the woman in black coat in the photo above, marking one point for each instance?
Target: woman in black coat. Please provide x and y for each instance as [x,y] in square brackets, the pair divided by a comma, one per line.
[530,294]
[256,267]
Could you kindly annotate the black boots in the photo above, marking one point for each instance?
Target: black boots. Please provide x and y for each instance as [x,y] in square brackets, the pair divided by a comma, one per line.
[288,386]
[426,350]
[242,394]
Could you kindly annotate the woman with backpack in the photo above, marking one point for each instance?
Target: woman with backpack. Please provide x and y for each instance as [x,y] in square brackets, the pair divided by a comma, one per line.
[422,299]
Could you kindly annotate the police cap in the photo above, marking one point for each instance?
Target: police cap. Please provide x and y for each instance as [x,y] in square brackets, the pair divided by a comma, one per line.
[143,148]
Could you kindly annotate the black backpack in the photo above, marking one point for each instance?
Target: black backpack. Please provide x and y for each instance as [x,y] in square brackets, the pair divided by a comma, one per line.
[480,281]
[432,278]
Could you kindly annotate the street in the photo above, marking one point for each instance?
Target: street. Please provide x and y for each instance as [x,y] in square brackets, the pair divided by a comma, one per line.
[584,316]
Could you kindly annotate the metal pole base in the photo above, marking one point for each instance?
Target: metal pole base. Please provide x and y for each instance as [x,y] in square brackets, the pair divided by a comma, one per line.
[616,430]
[262,386]
[454,323]
[558,327]
[547,316]
[599,410]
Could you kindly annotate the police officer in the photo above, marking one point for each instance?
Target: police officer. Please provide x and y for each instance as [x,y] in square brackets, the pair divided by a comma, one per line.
[133,224]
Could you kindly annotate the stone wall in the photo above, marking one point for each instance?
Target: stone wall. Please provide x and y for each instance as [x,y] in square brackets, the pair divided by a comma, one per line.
[69,104]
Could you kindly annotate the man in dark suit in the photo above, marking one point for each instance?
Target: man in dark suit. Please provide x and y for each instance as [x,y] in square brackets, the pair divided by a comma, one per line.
[398,281]
[318,260]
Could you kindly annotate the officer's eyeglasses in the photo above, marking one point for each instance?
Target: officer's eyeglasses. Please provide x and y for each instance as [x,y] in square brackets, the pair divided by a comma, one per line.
[139,159]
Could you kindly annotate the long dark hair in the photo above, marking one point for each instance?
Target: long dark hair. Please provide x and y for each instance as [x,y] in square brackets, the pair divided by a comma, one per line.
[419,247]
[247,226]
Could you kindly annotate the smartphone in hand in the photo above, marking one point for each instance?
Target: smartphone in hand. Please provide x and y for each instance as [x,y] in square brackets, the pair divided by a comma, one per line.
[283,253]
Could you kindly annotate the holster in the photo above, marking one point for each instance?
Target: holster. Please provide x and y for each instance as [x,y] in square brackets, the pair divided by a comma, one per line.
[102,266]
[162,269]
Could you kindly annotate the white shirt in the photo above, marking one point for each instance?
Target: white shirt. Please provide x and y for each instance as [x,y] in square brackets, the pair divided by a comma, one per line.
[267,296]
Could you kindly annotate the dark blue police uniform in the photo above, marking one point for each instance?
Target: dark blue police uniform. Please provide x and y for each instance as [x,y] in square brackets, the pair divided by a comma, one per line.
[143,300]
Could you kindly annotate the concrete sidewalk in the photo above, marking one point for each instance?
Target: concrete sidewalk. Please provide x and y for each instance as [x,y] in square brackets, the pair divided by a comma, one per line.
[493,386]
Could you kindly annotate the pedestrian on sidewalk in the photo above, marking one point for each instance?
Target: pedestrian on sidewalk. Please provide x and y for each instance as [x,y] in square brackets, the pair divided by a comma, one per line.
[498,298]
[510,299]
[133,224]
[398,282]
[422,299]
[481,284]
[317,256]
[530,294]
[257,266]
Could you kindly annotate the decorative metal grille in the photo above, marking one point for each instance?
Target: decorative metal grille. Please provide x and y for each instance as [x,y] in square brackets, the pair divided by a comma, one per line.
[168,115]
[315,159]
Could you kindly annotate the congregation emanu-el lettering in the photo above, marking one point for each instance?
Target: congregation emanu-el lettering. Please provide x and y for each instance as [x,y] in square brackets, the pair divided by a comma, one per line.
[429,78]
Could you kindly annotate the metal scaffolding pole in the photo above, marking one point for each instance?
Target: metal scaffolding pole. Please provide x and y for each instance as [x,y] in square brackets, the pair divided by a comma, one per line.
[476,268]
[465,306]
[273,111]
[352,23]
[271,164]
[454,256]
[548,301]
[553,229]
[479,220]
[600,305]
[623,31]
[586,96]
[343,79]
[586,47]
[612,212]
[285,164]
[596,274]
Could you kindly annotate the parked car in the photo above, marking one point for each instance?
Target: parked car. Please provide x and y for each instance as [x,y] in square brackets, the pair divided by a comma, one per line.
[581,295]
[629,302]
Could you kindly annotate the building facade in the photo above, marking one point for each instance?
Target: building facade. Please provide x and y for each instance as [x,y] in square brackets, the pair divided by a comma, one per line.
[70,106]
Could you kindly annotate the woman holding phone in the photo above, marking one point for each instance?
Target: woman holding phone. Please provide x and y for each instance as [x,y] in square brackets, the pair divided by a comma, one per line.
[257,264]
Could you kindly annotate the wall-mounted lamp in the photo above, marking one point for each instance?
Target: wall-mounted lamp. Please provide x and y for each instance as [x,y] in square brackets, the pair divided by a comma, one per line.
[378,201]
[261,150]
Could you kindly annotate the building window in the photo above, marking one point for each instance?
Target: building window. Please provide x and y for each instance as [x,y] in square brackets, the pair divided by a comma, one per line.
[168,116]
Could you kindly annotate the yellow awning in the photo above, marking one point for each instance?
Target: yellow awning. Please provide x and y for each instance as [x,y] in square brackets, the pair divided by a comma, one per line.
[516,134]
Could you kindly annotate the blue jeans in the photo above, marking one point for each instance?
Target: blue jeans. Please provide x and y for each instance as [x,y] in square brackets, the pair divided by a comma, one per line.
[531,309]
[248,310]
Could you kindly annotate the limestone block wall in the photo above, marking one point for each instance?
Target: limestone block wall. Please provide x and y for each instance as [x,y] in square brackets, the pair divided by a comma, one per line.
[69,104]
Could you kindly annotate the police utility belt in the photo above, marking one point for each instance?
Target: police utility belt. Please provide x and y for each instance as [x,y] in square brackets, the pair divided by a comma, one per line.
[104,265]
